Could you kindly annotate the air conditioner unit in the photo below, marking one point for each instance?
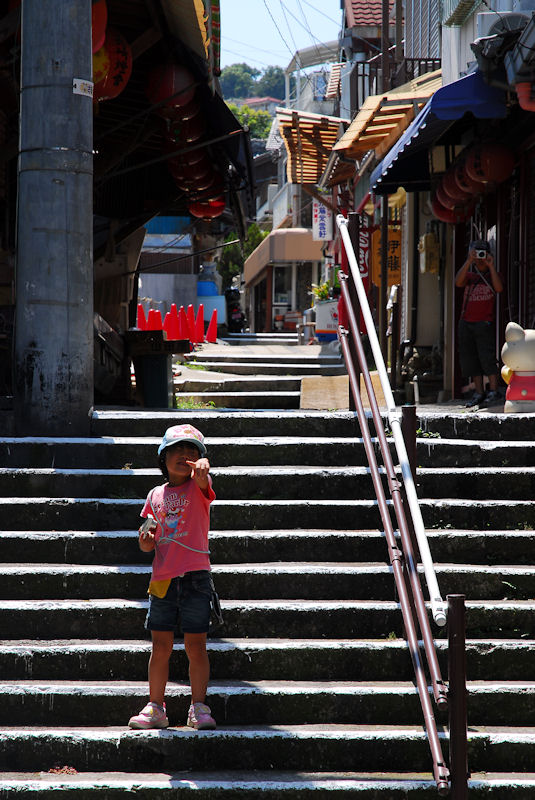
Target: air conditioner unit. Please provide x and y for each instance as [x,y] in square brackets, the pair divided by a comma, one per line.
[490,23]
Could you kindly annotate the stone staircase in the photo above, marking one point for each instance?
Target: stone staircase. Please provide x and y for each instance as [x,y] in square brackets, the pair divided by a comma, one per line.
[312,685]
[261,371]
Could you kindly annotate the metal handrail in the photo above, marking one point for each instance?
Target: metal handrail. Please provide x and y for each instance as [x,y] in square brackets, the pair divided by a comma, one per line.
[397,557]
[438,606]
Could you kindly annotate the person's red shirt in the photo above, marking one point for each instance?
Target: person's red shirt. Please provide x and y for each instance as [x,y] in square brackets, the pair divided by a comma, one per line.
[479,299]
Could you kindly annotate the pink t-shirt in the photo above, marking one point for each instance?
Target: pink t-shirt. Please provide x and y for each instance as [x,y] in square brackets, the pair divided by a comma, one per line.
[183,516]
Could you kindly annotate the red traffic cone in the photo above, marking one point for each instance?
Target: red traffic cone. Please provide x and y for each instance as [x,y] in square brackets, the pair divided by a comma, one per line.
[170,326]
[141,321]
[199,325]
[190,316]
[211,333]
[154,320]
[182,324]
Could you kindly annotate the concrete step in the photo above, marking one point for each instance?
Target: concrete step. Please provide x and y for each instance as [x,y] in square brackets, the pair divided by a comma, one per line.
[68,513]
[116,452]
[275,367]
[121,618]
[249,357]
[235,702]
[497,427]
[286,337]
[260,659]
[257,702]
[252,383]
[140,452]
[287,747]
[276,747]
[242,398]
[269,785]
[233,546]
[304,580]
[273,482]
[117,422]
[493,428]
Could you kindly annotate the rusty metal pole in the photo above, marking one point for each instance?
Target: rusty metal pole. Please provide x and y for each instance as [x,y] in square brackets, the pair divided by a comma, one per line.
[457,696]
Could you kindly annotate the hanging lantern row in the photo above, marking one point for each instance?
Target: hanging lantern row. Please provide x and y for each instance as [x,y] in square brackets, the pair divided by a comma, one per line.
[112,56]
[172,89]
[476,172]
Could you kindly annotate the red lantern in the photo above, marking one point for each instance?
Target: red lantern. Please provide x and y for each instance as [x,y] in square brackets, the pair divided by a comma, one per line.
[180,169]
[99,20]
[188,111]
[171,85]
[444,199]
[207,209]
[188,130]
[101,65]
[452,215]
[490,163]
[120,57]
[465,182]
[450,187]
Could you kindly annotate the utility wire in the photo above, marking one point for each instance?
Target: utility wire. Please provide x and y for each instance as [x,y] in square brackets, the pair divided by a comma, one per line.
[278,29]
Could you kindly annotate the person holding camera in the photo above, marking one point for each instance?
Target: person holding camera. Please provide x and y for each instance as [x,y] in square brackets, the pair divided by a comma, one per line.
[476,332]
[177,519]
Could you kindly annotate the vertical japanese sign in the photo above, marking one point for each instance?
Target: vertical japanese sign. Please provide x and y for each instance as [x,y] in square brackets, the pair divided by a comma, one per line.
[322,222]
[393,257]
[364,265]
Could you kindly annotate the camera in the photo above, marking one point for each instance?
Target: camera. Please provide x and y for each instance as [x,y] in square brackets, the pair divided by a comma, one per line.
[481,253]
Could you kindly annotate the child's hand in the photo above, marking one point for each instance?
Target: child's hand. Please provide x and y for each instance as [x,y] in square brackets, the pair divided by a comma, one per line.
[147,539]
[199,471]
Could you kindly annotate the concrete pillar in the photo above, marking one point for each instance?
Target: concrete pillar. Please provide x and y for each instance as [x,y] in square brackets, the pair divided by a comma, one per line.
[54,277]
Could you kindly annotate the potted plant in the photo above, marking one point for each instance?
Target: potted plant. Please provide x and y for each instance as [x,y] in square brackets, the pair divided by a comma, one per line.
[326,312]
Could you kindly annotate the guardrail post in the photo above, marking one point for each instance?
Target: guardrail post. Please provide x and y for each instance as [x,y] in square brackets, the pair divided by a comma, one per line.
[457,697]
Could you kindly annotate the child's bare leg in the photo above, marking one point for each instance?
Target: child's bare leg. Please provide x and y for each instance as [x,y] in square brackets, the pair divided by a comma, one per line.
[199,665]
[162,647]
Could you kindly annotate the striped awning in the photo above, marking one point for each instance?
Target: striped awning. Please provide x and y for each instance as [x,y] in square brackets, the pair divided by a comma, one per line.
[309,140]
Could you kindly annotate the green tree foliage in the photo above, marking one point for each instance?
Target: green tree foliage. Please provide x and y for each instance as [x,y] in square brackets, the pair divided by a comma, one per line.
[258,122]
[238,80]
[271,83]
[241,80]
[233,256]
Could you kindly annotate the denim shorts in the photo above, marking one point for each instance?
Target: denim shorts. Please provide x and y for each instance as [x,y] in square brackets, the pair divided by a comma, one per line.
[187,605]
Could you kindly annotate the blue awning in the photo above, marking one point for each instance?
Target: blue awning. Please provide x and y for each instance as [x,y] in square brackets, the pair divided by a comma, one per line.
[407,163]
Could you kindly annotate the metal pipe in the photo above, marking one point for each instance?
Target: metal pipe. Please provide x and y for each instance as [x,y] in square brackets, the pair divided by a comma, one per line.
[439,768]
[438,606]
[457,693]
[439,689]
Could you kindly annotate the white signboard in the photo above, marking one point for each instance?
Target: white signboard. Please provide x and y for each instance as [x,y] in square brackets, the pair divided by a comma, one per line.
[322,222]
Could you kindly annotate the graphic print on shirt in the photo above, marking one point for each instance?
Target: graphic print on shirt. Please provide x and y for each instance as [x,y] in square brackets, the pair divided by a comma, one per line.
[172,513]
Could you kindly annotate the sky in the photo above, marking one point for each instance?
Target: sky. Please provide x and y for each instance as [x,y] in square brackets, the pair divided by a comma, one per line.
[265,33]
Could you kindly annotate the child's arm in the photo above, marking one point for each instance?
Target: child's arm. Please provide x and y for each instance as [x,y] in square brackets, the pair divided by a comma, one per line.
[199,473]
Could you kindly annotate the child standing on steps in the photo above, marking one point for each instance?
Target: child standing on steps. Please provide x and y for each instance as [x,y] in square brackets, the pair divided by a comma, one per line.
[178,513]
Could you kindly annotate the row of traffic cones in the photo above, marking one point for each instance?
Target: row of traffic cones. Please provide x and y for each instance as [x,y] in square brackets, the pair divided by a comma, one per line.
[179,324]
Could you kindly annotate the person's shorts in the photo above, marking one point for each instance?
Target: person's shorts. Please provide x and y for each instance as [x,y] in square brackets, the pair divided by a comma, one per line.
[186,605]
[477,348]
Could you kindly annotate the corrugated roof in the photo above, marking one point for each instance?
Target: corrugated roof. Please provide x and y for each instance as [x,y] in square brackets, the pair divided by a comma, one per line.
[382,118]
[309,139]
